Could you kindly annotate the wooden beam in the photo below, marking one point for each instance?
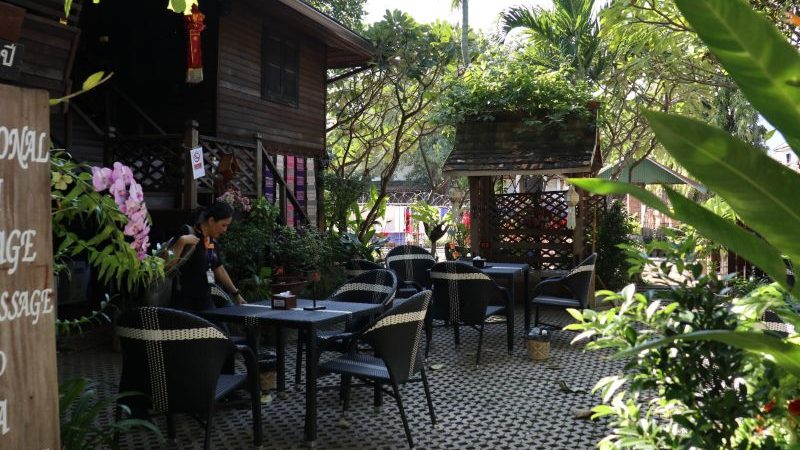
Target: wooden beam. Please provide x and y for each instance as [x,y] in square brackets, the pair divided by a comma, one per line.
[191,139]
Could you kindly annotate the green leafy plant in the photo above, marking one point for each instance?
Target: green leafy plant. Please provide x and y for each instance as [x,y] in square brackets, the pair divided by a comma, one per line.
[340,196]
[613,231]
[760,191]
[247,243]
[685,394]
[500,83]
[96,317]
[436,226]
[257,285]
[298,250]
[80,405]
[77,208]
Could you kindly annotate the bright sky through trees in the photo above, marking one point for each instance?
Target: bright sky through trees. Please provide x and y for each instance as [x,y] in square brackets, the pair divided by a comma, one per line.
[482,13]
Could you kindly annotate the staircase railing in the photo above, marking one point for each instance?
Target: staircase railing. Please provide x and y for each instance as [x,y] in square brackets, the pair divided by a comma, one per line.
[161,164]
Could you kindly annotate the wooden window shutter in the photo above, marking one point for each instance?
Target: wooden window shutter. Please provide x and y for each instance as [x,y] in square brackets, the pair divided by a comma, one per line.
[279,69]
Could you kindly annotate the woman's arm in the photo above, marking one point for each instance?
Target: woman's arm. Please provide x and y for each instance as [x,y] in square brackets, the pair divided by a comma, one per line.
[222,277]
[181,243]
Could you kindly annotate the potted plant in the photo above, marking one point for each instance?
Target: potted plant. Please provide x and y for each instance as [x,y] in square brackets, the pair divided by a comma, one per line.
[248,243]
[299,255]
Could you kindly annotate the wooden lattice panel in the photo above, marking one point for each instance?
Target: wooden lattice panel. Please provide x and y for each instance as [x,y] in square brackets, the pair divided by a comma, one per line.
[245,153]
[591,209]
[156,161]
[531,227]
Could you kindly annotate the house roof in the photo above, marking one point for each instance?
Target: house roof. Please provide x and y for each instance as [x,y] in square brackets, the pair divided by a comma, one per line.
[513,147]
[346,48]
[648,171]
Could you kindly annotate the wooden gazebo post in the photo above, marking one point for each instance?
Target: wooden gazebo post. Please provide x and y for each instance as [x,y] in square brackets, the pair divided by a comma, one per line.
[191,139]
[481,197]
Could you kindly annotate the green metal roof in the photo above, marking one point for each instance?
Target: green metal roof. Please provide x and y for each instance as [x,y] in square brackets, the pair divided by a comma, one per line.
[647,172]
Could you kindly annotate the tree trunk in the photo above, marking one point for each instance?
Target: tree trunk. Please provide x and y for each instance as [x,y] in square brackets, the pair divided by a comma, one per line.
[465,32]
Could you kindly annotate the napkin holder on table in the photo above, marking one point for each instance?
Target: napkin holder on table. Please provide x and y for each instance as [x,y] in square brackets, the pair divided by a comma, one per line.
[284,300]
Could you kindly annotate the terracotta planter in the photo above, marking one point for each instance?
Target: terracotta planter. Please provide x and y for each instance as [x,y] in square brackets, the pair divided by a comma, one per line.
[295,285]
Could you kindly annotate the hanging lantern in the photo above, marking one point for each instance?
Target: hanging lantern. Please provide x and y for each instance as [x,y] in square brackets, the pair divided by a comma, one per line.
[572,198]
[194,55]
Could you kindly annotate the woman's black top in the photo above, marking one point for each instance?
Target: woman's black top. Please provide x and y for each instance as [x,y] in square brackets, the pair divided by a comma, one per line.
[194,291]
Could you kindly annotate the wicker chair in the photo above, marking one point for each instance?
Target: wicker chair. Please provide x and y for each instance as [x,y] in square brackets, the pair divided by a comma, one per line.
[374,287]
[175,359]
[356,267]
[570,291]
[464,295]
[395,337]
[411,264]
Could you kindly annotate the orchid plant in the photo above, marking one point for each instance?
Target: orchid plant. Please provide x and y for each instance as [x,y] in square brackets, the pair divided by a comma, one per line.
[117,222]
[129,198]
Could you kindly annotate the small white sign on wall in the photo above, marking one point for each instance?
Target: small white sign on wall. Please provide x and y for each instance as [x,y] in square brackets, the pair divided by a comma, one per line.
[198,165]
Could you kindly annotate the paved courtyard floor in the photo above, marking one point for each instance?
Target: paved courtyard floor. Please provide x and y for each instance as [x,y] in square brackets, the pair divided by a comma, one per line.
[508,402]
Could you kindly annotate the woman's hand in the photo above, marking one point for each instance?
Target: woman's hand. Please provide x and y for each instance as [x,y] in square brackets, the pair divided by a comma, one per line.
[239,299]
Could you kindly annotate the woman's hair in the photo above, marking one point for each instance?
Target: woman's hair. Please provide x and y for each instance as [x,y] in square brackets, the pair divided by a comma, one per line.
[219,211]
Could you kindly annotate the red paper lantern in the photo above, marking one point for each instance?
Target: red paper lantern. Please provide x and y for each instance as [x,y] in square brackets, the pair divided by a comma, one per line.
[194,54]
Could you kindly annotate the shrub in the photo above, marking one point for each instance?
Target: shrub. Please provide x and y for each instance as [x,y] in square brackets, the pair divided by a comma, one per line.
[613,230]
[684,394]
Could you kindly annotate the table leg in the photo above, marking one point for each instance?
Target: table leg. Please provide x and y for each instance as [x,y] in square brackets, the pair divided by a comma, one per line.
[311,386]
[511,313]
[280,360]
[527,275]
[253,338]
[513,293]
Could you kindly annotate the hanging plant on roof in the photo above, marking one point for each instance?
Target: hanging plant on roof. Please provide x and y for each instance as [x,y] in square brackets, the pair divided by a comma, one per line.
[499,84]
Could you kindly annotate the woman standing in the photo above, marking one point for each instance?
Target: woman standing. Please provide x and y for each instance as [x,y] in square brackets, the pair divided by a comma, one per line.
[204,266]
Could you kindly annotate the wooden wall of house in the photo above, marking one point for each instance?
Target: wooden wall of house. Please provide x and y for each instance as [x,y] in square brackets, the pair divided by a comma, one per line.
[144,44]
[48,44]
[241,111]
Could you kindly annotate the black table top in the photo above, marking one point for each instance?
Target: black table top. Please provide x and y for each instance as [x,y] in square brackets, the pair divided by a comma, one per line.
[263,313]
[498,268]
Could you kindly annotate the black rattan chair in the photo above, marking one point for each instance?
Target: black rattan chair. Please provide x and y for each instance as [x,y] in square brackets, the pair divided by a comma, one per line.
[395,337]
[356,267]
[570,291]
[175,359]
[464,295]
[412,265]
[375,287]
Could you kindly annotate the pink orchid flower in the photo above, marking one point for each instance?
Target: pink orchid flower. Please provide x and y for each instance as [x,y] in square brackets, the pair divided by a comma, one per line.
[101,178]
[123,172]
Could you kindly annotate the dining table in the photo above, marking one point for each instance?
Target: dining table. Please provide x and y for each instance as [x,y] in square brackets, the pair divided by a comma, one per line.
[256,315]
[510,272]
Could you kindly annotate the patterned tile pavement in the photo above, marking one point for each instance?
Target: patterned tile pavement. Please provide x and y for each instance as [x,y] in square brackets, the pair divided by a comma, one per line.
[508,402]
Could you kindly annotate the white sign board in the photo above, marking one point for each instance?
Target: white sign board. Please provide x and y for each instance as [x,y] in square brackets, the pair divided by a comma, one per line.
[198,165]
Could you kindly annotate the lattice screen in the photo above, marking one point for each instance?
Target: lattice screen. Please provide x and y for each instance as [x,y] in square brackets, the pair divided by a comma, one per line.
[245,180]
[532,228]
[156,161]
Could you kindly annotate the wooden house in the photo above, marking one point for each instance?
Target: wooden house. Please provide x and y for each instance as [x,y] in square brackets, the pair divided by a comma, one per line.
[514,218]
[262,96]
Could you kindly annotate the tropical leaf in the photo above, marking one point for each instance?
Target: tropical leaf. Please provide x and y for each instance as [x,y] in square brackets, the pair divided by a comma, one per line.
[784,354]
[67,7]
[723,231]
[763,63]
[92,80]
[608,187]
[761,191]
[730,235]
